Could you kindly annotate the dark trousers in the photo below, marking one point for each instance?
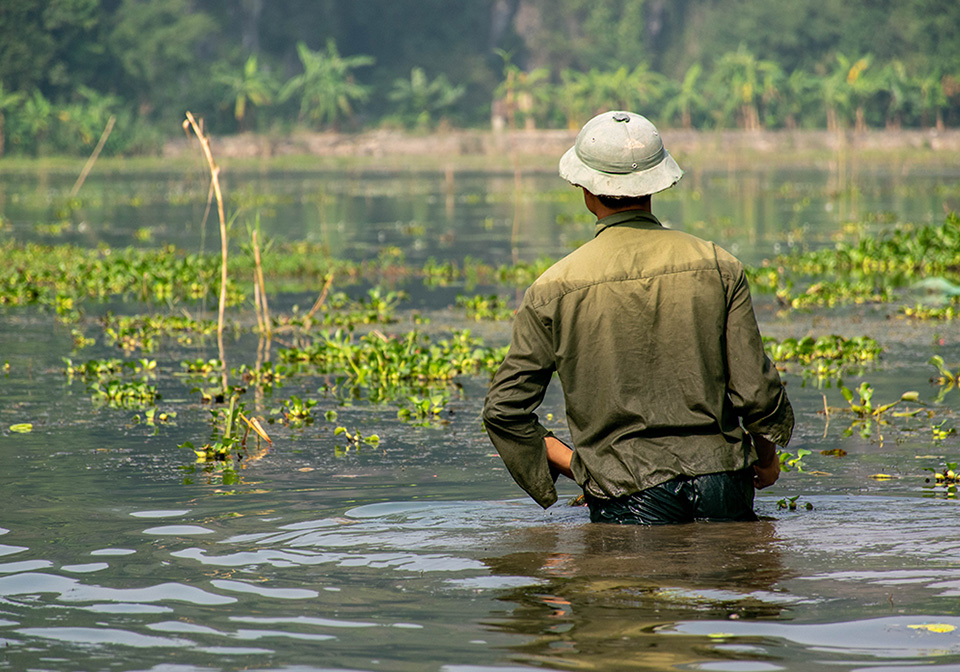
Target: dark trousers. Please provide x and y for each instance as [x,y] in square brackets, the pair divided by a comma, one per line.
[726,496]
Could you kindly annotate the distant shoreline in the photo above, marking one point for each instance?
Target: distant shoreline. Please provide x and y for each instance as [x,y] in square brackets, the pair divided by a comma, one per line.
[529,151]
[505,147]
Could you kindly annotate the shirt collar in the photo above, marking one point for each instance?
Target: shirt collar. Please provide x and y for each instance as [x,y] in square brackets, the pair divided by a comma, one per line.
[637,218]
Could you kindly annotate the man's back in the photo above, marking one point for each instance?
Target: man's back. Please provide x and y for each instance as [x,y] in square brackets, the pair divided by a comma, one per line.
[636,319]
[653,336]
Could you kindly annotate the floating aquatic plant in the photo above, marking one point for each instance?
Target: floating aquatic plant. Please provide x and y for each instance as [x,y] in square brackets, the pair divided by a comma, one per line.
[834,348]
[790,461]
[485,307]
[874,269]
[792,504]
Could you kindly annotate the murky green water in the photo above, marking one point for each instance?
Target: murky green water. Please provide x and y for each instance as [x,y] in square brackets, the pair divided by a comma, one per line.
[117,553]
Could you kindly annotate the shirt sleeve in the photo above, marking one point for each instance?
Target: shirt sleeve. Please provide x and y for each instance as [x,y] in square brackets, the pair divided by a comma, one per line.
[509,415]
[753,384]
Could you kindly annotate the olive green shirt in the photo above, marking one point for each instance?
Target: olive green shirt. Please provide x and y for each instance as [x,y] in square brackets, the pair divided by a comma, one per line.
[653,337]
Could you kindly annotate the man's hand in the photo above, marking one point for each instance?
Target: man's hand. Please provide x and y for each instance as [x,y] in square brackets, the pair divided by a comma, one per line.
[558,455]
[766,470]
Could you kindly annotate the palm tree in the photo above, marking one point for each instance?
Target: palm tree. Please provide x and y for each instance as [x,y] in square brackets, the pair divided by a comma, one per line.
[571,97]
[419,98]
[648,88]
[520,91]
[326,86]
[35,116]
[736,82]
[686,98]
[849,86]
[251,86]
[622,89]
[531,91]
[933,98]
[611,90]
[8,101]
[797,91]
[771,85]
[901,90]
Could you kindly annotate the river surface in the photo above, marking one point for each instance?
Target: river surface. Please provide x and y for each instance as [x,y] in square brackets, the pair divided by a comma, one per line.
[118,553]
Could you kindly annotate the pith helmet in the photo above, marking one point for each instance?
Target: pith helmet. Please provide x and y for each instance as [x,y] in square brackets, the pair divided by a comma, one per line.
[619,154]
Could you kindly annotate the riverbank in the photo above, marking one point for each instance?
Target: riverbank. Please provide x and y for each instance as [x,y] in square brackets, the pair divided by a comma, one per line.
[525,147]
[530,151]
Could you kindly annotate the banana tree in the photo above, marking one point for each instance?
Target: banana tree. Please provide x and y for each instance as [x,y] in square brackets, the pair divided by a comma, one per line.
[326,86]
[648,88]
[419,98]
[932,99]
[900,90]
[797,92]
[34,120]
[570,97]
[686,98]
[252,86]
[9,100]
[737,85]
[849,86]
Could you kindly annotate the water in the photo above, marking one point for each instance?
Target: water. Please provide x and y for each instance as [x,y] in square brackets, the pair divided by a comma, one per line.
[117,553]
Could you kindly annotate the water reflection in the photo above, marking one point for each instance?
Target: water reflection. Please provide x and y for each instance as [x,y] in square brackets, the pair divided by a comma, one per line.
[461,585]
[603,591]
[494,217]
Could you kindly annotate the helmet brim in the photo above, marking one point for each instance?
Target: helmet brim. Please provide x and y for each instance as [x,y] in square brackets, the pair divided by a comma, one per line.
[641,183]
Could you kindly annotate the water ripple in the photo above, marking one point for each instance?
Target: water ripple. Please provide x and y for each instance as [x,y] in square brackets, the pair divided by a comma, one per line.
[71,590]
[104,636]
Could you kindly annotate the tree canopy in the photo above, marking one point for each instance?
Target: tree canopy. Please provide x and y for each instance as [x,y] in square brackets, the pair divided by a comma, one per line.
[543,63]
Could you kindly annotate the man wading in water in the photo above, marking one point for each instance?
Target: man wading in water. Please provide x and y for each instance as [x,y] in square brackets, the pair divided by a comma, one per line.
[674,409]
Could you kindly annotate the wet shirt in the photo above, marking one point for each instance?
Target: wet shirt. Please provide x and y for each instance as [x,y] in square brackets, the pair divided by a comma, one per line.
[652,334]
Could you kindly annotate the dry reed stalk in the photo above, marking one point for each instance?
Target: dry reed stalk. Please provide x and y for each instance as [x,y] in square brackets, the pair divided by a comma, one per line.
[191,122]
[261,290]
[322,297]
[88,166]
[256,304]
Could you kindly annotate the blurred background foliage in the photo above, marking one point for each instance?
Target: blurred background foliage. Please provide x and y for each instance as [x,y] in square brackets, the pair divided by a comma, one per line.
[67,66]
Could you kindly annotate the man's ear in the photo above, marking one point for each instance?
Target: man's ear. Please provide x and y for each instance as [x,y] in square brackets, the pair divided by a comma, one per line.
[590,200]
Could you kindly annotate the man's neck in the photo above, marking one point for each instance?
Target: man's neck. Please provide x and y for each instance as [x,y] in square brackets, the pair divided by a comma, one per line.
[602,210]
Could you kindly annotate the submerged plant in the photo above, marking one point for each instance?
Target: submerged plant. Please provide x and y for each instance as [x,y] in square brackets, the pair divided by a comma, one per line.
[789,461]
[946,377]
[489,307]
[791,503]
[123,394]
[423,411]
[143,332]
[833,348]
[107,386]
[296,411]
[940,432]
[231,428]
[864,407]
[874,269]
[354,439]
[920,312]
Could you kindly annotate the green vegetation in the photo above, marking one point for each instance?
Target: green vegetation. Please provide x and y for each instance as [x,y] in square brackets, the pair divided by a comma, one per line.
[791,503]
[825,356]
[69,66]
[490,307]
[107,386]
[790,461]
[65,277]
[874,269]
